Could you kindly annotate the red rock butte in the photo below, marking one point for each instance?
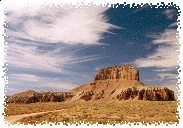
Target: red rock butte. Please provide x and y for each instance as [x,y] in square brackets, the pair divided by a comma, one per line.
[123,72]
[110,84]
[120,83]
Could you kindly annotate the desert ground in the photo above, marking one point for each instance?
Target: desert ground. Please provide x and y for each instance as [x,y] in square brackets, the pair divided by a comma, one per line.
[118,112]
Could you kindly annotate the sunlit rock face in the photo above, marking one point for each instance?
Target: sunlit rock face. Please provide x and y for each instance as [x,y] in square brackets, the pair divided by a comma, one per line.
[123,72]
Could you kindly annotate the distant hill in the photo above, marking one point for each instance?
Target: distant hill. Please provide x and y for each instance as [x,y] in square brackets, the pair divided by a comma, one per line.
[27,93]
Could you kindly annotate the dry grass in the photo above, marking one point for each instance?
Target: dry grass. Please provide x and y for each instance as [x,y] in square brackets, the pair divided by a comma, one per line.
[129,111]
[18,109]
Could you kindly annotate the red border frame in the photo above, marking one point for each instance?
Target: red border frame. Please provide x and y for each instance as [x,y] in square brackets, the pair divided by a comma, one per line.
[3,3]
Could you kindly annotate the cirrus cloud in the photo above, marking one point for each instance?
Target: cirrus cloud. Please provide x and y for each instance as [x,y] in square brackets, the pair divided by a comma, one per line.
[66,24]
[166,55]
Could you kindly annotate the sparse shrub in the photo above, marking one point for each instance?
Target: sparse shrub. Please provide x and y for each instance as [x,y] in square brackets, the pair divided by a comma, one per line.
[118,120]
[49,118]
[65,119]
[85,115]
[84,111]
[151,115]
[122,117]
[95,109]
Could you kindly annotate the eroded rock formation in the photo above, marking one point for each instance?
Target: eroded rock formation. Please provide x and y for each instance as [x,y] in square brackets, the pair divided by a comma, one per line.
[112,83]
[32,97]
[123,72]
[148,93]
[123,83]
[87,95]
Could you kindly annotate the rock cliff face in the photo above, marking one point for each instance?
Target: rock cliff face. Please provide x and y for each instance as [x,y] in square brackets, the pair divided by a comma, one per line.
[112,83]
[148,93]
[123,72]
[32,97]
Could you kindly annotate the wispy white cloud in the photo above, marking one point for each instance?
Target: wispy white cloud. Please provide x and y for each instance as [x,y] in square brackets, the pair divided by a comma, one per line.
[167,76]
[29,57]
[25,77]
[170,13]
[153,35]
[24,81]
[65,24]
[59,85]
[151,80]
[164,77]
[141,8]
[173,24]
[166,55]
[163,69]
[26,57]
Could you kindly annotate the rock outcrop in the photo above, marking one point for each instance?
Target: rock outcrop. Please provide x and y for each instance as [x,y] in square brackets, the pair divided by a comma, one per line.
[112,83]
[123,72]
[32,97]
[122,83]
[149,93]
[87,95]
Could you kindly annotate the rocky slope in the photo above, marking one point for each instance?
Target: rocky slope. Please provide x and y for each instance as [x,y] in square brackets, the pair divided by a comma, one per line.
[120,83]
[112,83]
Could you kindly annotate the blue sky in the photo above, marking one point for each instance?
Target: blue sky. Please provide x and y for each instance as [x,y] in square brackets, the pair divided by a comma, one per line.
[61,48]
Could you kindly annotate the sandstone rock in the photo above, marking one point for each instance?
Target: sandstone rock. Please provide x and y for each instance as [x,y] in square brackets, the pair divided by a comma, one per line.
[100,95]
[48,96]
[87,95]
[93,83]
[122,83]
[149,93]
[123,72]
